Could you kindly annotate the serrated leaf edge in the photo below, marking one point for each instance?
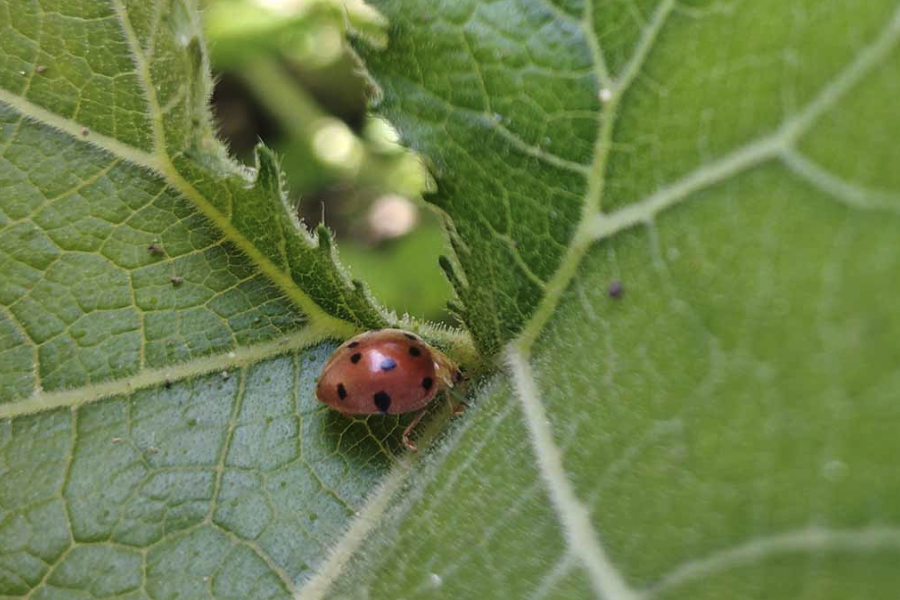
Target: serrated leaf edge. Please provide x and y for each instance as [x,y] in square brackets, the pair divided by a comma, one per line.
[584,542]
[160,164]
[324,326]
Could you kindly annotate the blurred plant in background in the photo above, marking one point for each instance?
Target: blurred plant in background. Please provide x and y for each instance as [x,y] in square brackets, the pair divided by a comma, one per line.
[285,77]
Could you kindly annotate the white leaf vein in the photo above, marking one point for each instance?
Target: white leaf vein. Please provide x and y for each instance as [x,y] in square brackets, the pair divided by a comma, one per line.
[573,515]
[584,541]
[811,539]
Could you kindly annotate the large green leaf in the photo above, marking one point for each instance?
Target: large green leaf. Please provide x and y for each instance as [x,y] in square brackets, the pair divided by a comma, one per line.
[725,425]
[162,322]
[109,150]
[232,487]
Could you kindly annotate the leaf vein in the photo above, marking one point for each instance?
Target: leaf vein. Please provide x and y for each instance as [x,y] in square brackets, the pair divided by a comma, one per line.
[35,356]
[777,144]
[583,539]
[597,55]
[572,514]
[143,73]
[226,443]
[645,44]
[42,116]
[562,568]
[810,539]
[847,193]
[233,359]
[492,123]
[375,507]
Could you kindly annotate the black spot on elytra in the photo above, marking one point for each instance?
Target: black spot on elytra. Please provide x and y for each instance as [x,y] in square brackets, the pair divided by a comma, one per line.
[342,391]
[410,336]
[387,364]
[413,351]
[355,358]
[427,383]
[457,377]
[353,344]
[382,401]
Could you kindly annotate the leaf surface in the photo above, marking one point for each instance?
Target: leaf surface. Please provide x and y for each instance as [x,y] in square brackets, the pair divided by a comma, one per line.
[719,424]
[210,486]
[163,318]
[724,426]
[110,160]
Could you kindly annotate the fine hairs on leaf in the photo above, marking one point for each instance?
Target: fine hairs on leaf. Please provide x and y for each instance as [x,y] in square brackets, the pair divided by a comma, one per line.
[142,420]
[679,439]
[724,428]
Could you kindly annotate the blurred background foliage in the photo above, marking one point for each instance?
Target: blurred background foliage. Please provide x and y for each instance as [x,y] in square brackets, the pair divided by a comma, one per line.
[286,77]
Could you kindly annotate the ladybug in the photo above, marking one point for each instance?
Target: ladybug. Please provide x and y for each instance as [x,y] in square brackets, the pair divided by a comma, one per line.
[389,371]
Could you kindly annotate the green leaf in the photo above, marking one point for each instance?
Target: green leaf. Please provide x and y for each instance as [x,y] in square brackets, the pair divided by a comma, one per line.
[507,125]
[723,427]
[228,485]
[724,424]
[98,100]
[163,318]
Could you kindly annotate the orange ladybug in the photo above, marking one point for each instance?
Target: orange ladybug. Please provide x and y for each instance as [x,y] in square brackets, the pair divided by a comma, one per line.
[389,371]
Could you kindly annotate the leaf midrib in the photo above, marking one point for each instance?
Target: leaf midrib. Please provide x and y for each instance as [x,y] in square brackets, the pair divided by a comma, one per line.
[316,587]
[149,378]
[592,227]
[160,164]
[595,226]
[319,327]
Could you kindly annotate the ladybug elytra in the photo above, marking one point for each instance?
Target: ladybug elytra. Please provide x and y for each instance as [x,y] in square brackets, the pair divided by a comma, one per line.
[389,371]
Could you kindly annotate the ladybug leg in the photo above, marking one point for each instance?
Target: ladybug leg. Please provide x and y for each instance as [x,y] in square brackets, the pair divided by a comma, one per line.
[410,444]
[457,409]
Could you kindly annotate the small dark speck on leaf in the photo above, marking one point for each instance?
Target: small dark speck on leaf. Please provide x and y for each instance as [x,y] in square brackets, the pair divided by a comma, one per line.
[616,290]
[225,375]
[176,280]
[85,131]
[154,249]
